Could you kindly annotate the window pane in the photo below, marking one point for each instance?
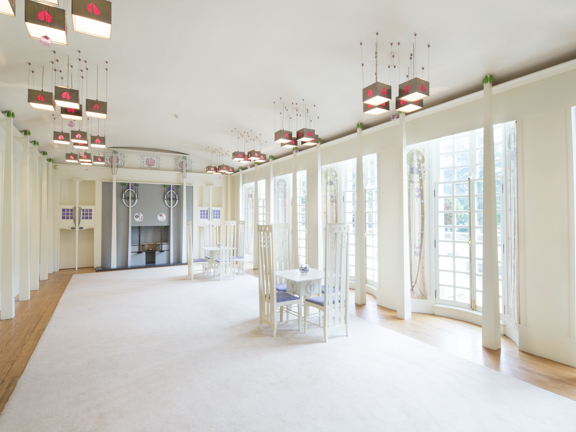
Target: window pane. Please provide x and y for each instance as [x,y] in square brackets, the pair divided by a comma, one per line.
[446,175]
[462,159]
[445,248]
[463,295]
[446,161]
[446,146]
[462,234]
[445,190]
[463,280]
[462,204]
[445,233]
[462,265]
[446,263]
[446,278]
[446,293]
[462,173]
[445,204]
[461,188]
[462,249]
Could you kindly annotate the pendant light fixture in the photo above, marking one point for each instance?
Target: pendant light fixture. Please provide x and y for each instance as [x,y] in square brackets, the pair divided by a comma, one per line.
[211,169]
[92,17]
[45,21]
[237,156]
[253,155]
[409,106]
[281,136]
[314,138]
[414,89]
[72,157]
[377,109]
[263,159]
[378,93]
[39,99]
[71,113]
[66,97]
[98,160]
[94,107]
[8,7]
[305,134]
[85,158]
[60,137]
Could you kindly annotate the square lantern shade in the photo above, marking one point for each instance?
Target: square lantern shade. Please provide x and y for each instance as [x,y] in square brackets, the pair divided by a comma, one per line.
[98,160]
[246,159]
[211,169]
[79,137]
[44,20]
[41,100]
[221,169]
[238,156]
[96,109]
[8,7]
[262,159]
[409,107]
[71,157]
[414,90]
[92,17]
[291,143]
[253,155]
[305,135]
[61,138]
[85,158]
[282,136]
[377,109]
[98,141]
[377,94]
[66,97]
[71,113]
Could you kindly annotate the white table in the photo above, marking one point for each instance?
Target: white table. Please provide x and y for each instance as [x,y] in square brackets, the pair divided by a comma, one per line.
[303,285]
[214,254]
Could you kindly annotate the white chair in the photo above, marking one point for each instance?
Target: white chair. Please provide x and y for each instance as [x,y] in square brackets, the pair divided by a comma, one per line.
[240,249]
[225,261]
[281,252]
[334,303]
[270,299]
[210,237]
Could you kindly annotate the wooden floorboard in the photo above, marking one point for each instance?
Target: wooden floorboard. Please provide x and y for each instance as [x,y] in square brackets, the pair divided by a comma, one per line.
[19,337]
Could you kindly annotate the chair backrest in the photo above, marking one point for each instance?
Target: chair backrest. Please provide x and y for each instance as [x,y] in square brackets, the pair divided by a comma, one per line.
[212,234]
[281,249]
[240,242]
[336,279]
[228,234]
[267,288]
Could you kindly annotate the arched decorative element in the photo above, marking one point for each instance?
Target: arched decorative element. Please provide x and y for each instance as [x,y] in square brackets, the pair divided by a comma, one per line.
[416,218]
[171,197]
[330,192]
[129,194]
[281,202]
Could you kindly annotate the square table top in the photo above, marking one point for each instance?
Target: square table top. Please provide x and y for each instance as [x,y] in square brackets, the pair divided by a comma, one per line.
[217,248]
[295,275]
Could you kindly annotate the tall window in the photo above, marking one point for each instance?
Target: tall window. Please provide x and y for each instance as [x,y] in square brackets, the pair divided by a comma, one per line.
[301,216]
[350,211]
[249,216]
[281,202]
[371,198]
[459,216]
[262,202]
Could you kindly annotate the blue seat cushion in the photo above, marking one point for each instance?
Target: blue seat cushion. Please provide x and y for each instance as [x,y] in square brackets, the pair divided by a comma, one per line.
[200,260]
[319,300]
[238,257]
[281,287]
[333,289]
[284,297]
[218,261]
[207,257]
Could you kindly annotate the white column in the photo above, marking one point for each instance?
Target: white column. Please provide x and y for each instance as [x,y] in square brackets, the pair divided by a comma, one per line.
[319,221]
[114,251]
[294,213]
[25,195]
[44,222]
[183,236]
[228,199]
[7,306]
[50,196]
[360,237]
[98,224]
[490,286]
[404,308]
[270,195]
[255,240]
[78,221]
[55,218]
[34,221]
[239,212]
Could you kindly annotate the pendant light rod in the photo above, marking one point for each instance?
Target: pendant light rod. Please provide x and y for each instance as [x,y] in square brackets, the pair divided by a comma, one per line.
[376,57]
[362,62]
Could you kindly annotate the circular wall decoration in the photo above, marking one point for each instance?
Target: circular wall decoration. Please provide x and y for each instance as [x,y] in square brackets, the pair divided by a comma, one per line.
[161,217]
[138,217]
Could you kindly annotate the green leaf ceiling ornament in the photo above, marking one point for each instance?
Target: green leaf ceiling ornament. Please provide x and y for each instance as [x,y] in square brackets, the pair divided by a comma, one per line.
[27,133]
[488,79]
[45,153]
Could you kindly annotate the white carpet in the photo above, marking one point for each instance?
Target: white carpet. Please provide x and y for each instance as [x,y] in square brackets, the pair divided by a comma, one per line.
[147,350]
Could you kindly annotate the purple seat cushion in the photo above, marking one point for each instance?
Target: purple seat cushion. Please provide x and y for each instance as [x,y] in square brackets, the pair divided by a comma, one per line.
[333,289]
[319,300]
[283,297]
[281,287]
[199,260]
[238,257]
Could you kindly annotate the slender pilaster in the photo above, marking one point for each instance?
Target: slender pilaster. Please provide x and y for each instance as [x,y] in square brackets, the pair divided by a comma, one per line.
[184,235]
[25,196]
[360,225]
[55,217]
[294,213]
[255,239]
[404,309]
[50,261]
[98,225]
[44,222]
[7,307]
[270,194]
[34,220]
[490,286]
[319,221]
[114,251]
[78,221]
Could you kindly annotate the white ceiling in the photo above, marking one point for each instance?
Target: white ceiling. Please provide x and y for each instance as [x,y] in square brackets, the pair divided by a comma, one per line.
[219,65]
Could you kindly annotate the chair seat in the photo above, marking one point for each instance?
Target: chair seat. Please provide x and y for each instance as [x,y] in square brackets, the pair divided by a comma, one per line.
[218,261]
[199,260]
[281,287]
[207,257]
[238,258]
[319,300]
[284,297]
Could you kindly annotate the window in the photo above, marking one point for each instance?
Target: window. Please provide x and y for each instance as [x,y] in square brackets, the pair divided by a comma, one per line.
[282,207]
[262,202]
[370,165]
[459,216]
[350,212]
[249,216]
[301,216]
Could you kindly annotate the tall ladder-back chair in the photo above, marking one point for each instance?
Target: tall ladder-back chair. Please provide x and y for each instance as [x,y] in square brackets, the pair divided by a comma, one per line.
[269,298]
[240,250]
[334,303]
[226,262]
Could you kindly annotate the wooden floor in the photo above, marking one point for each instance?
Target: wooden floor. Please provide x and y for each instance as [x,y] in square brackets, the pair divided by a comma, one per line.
[19,337]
